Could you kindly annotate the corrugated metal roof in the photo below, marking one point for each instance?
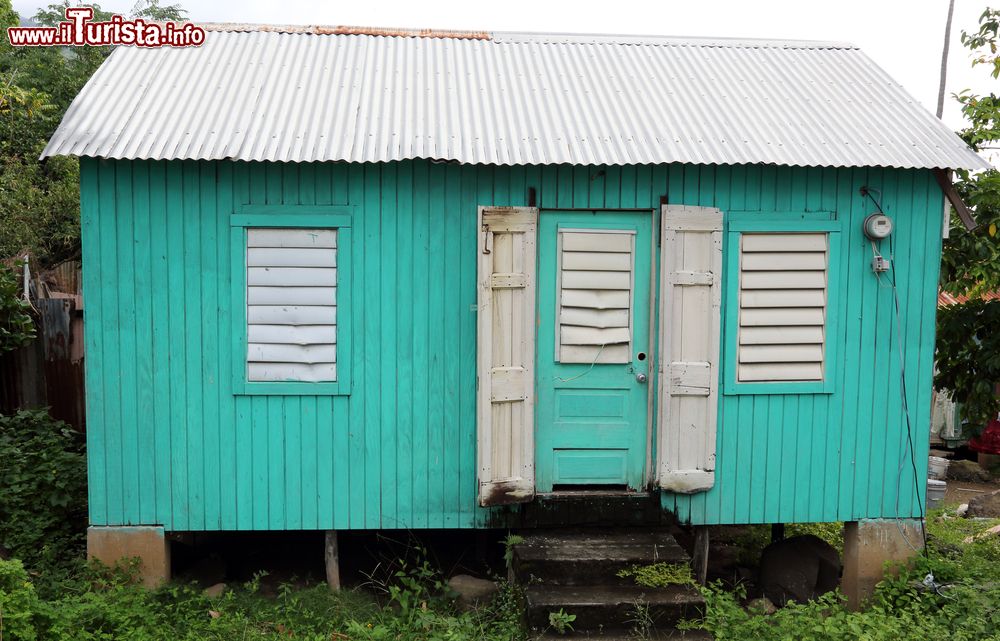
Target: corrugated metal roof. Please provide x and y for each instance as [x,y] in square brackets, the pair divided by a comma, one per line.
[316,94]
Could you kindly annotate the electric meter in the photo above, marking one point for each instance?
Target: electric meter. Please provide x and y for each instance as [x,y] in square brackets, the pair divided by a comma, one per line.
[878,226]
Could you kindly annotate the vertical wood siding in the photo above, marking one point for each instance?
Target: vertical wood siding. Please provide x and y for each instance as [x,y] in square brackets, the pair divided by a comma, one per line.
[170,444]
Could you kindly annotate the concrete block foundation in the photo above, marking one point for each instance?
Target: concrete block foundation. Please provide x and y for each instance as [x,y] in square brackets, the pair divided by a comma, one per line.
[110,544]
[868,546]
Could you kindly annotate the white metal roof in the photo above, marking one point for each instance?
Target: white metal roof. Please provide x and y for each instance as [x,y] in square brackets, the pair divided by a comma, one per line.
[367,95]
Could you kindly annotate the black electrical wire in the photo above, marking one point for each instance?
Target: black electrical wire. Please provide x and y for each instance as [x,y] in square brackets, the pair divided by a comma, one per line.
[906,405]
[867,191]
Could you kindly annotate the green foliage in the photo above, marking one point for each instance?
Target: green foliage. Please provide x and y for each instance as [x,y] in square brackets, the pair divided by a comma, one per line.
[509,542]
[561,621]
[968,361]
[18,603]
[658,575]
[16,326]
[43,496]
[968,357]
[964,606]
[983,42]
[106,604]
[40,202]
[832,533]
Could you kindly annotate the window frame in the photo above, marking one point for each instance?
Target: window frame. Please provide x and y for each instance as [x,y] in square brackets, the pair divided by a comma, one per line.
[738,223]
[290,217]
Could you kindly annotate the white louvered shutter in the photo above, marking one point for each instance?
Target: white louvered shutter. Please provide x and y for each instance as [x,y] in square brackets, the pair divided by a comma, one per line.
[690,322]
[595,296]
[291,305]
[782,315]
[506,358]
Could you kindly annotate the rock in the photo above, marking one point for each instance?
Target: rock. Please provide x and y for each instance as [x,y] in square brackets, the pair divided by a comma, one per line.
[985,506]
[798,569]
[762,605]
[207,571]
[993,531]
[968,472]
[215,591]
[962,509]
[471,591]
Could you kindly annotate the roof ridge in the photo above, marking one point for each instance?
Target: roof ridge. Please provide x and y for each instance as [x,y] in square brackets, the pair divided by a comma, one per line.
[539,37]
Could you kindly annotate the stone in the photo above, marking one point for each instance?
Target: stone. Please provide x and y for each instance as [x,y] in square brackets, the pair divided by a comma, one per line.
[799,568]
[967,472]
[762,605]
[471,591]
[985,506]
[215,591]
[962,509]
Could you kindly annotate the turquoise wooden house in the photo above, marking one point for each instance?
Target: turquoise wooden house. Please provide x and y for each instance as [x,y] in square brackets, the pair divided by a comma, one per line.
[343,279]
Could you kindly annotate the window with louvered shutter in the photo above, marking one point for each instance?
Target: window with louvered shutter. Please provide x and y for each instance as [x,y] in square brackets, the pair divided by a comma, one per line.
[291,296]
[595,296]
[783,293]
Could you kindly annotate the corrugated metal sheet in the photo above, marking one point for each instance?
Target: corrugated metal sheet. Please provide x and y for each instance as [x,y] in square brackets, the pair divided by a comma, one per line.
[302,95]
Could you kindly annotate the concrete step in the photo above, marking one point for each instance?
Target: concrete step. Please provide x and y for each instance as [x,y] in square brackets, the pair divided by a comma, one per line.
[592,557]
[612,608]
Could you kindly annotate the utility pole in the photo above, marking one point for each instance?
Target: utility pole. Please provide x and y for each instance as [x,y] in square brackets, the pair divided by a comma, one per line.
[944,58]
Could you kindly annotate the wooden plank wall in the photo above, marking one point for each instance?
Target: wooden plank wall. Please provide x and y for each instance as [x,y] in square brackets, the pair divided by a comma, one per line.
[169,443]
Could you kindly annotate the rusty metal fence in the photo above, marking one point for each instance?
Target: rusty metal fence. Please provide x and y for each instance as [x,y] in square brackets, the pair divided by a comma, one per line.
[48,371]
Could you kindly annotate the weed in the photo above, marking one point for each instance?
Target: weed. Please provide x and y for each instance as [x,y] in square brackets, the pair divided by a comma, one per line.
[641,620]
[659,575]
[509,542]
[561,621]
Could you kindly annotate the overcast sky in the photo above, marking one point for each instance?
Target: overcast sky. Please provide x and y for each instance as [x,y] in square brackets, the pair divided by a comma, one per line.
[903,36]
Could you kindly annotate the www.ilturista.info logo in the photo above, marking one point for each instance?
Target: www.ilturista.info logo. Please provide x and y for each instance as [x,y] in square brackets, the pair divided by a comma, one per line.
[79,29]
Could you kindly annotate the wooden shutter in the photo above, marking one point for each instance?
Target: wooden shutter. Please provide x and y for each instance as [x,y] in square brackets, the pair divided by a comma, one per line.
[595,296]
[690,321]
[783,280]
[506,358]
[291,305]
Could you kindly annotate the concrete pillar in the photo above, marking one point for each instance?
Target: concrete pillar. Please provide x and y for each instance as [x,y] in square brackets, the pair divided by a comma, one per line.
[110,544]
[868,545]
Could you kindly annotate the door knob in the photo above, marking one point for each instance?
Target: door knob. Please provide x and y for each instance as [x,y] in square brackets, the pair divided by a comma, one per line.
[640,377]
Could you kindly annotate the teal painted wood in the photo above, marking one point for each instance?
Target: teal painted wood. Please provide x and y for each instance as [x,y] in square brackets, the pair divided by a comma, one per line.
[170,443]
[611,451]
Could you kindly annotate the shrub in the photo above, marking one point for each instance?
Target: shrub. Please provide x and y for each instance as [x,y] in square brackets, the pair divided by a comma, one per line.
[16,327]
[18,603]
[43,506]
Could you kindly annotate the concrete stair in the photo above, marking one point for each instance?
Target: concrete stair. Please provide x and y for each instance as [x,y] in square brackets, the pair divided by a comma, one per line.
[577,571]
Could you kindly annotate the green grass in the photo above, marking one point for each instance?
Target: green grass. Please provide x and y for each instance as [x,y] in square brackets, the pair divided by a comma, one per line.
[106,605]
[965,605]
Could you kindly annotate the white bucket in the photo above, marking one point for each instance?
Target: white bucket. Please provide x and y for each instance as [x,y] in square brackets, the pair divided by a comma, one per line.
[937,467]
[935,493]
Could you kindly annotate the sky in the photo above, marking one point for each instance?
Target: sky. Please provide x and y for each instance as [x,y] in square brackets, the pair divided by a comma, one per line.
[903,36]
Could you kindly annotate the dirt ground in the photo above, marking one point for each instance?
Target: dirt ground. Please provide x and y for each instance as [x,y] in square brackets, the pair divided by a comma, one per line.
[959,492]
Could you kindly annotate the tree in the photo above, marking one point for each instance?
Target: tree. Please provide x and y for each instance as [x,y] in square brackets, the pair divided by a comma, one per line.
[39,201]
[968,345]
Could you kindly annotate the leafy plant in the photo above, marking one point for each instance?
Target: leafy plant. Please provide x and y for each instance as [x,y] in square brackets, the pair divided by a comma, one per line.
[962,605]
[18,603]
[968,361]
[561,621]
[509,543]
[659,575]
[43,496]
[641,621]
[16,326]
